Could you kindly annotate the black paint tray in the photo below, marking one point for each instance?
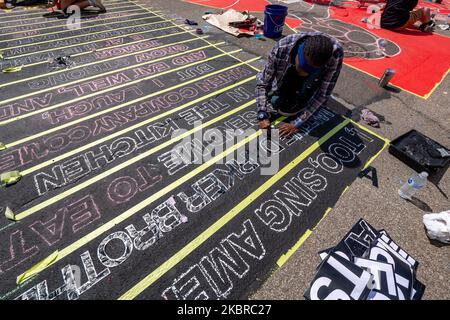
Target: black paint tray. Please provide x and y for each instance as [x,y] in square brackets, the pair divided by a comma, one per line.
[419,152]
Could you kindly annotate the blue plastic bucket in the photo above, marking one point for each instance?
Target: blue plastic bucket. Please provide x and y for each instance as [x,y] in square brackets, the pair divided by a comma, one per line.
[274,17]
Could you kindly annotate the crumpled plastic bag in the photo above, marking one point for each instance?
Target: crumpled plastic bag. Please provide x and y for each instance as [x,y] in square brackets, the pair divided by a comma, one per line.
[368,117]
[438,226]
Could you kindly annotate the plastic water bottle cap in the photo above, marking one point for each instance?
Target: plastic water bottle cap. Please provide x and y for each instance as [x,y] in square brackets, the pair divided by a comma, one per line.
[423,174]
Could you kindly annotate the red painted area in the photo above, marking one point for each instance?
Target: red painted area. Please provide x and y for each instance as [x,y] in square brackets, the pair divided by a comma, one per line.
[421,65]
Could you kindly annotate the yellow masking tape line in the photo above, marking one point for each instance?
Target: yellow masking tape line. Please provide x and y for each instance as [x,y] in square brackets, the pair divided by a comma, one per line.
[240,60]
[12,69]
[62,24]
[120,106]
[436,85]
[9,214]
[10,177]
[284,258]
[386,144]
[102,175]
[97,32]
[391,84]
[133,127]
[425,97]
[324,216]
[102,91]
[58,32]
[97,21]
[161,193]
[96,62]
[2,146]
[41,16]
[104,48]
[345,190]
[386,140]
[205,235]
[37,268]
[220,49]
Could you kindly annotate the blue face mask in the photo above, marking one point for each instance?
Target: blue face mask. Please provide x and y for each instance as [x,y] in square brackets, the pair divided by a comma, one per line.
[302,61]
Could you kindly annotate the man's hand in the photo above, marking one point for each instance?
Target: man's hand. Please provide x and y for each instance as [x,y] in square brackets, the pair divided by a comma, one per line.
[264,124]
[287,130]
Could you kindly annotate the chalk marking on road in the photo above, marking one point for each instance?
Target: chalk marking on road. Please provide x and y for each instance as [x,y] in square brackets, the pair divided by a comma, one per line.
[205,235]
[96,23]
[56,198]
[94,41]
[106,90]
[161,193]
[284,258]
[95,62]
[68,124]
[63,22]
[80,36]
[133,127]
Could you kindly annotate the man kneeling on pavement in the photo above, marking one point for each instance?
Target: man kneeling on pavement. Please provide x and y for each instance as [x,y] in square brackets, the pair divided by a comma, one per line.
[299,77]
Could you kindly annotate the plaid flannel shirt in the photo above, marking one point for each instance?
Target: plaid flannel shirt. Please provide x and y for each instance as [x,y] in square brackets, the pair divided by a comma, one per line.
[278,63]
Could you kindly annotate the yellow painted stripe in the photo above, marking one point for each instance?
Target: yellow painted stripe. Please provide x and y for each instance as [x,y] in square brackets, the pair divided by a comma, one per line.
[110,47]
[128,129]
[41,17]
[96,62]
[41,12]
[94,41]
[425,97]
[63,23]
[96,23]
[106,173]
[369,131]
[91,33]
[161,193]
[81,35]
[291,251]
[37,268]
[68,124]
[386,144]
[108,89]
[323,218]
[205,235]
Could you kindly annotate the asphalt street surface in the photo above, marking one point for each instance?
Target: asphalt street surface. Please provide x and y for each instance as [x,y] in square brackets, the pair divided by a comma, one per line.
[144,175]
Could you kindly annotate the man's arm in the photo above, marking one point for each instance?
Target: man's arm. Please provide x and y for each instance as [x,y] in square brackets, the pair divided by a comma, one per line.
[324,92]
[264,80]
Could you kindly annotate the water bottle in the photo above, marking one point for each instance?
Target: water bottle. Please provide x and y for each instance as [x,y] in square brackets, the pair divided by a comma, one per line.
[414,183]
